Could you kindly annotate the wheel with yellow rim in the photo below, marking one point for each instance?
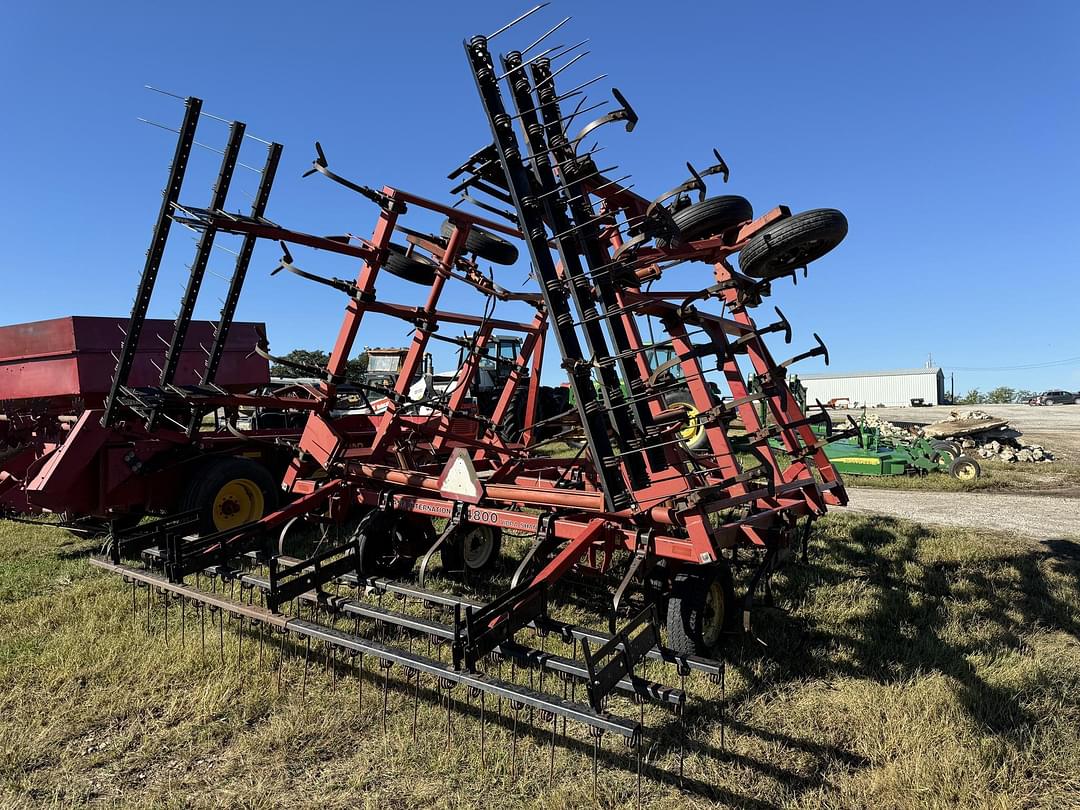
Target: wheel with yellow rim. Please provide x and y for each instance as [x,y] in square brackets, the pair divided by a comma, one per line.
[965,468]
[700,608]
[231,492]
[693,432]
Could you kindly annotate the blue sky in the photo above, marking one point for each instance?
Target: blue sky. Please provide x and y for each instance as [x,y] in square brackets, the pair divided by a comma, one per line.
[947,132]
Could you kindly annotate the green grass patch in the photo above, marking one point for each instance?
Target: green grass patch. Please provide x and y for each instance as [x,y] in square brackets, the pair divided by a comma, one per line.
[996,476]
[912,667]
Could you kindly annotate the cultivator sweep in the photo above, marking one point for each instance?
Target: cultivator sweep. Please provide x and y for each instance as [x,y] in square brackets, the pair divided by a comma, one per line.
[636,514]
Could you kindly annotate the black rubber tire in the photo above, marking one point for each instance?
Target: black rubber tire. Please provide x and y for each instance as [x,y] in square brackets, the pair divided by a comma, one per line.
[209,479]
[417,268]
[793,242]
[379,541]
[701,438]
[485,244]
[713,216]
[452,552]
[962,463]
[941,444]
[687,606]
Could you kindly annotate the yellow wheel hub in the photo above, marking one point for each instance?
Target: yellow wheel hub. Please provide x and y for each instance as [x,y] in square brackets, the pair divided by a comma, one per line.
[693,429]
[240,501]
[966,473]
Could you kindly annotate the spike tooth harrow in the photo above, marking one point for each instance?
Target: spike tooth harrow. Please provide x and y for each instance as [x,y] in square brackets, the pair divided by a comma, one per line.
[637,506]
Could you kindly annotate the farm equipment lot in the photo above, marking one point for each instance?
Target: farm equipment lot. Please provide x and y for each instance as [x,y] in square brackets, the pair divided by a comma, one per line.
[918,666]
[1055,427]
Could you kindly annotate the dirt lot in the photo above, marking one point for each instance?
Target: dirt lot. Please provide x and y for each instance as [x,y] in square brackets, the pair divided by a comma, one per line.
[1037,516]
[1057,428]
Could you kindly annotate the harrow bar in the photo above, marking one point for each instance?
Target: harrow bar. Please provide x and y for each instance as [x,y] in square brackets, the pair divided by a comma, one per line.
[518,694]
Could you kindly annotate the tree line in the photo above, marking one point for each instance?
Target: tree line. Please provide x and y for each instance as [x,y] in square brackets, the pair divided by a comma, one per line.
[317,359]
[1002,395]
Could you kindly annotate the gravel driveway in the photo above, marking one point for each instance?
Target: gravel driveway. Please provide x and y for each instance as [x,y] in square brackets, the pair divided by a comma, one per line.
[1039,516]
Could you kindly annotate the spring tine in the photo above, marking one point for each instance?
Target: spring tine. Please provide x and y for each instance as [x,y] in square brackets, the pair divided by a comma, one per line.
[280,660]
[595,732]
[239,645]
[555,73]
[333,668]
[529,61]
[221,634]
[545,35]
[483,729]
[262,641]
[385,687]
[723,701]
[449,707]
[307,660]
[639,736]
[551,762]
[148,609]
[516,20]
[183,621]
[513,750]
[134,614]
[202,628]
[416,710]
[360,684]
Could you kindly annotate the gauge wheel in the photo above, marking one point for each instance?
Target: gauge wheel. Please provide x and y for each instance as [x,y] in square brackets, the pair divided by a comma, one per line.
[693,434]
[229,493]
[792,242]
[382,544]
[471,548]
[713,216]
[965,468]
[485,244]
[700,608]
[414,267]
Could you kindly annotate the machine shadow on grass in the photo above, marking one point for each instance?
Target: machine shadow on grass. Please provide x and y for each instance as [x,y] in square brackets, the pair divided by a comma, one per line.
[914,593]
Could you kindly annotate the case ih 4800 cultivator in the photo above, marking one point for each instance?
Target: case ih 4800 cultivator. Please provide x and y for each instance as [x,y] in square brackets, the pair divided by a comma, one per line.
[635,511]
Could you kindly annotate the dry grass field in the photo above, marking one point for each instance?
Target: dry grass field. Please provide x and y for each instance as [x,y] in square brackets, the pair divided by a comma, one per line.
[910,667]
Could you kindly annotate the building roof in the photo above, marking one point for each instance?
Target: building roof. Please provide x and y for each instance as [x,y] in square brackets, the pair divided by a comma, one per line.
[889,373]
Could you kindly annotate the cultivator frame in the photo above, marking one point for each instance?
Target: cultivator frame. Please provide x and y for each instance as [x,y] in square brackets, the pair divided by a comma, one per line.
[635,508]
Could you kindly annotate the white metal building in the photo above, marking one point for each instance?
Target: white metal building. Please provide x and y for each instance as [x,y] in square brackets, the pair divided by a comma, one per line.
[872,388]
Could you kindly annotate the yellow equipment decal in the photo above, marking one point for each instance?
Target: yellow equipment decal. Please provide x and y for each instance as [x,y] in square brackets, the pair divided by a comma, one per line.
[857,460]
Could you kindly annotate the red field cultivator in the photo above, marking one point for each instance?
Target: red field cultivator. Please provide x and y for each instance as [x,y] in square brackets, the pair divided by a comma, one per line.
[635,513]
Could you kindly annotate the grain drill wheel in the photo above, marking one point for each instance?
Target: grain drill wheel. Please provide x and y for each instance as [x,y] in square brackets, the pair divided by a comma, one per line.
[965,468]
[792,242]
[472,548]
[230,492]
[700,608]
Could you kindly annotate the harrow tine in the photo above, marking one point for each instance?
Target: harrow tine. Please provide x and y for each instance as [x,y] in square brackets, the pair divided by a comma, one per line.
[202,628]
[360,684]
[516,20]
[385,666]
[307,660]
[239,646]
[183,621]
[416,709]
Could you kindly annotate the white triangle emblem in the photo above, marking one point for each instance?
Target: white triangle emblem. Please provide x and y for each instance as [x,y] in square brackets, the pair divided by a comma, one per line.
[459,481]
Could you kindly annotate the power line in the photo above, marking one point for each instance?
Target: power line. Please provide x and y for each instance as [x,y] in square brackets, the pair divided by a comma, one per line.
[1048,364]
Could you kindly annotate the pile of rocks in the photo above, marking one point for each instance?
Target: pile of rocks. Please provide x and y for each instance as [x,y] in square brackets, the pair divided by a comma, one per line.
[1009,450]
[886,428]
[998,440]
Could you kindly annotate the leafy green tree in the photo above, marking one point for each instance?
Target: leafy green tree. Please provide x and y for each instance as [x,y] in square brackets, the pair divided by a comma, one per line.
[1022,395]
[1001,395]
[317,359]
[972,397]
